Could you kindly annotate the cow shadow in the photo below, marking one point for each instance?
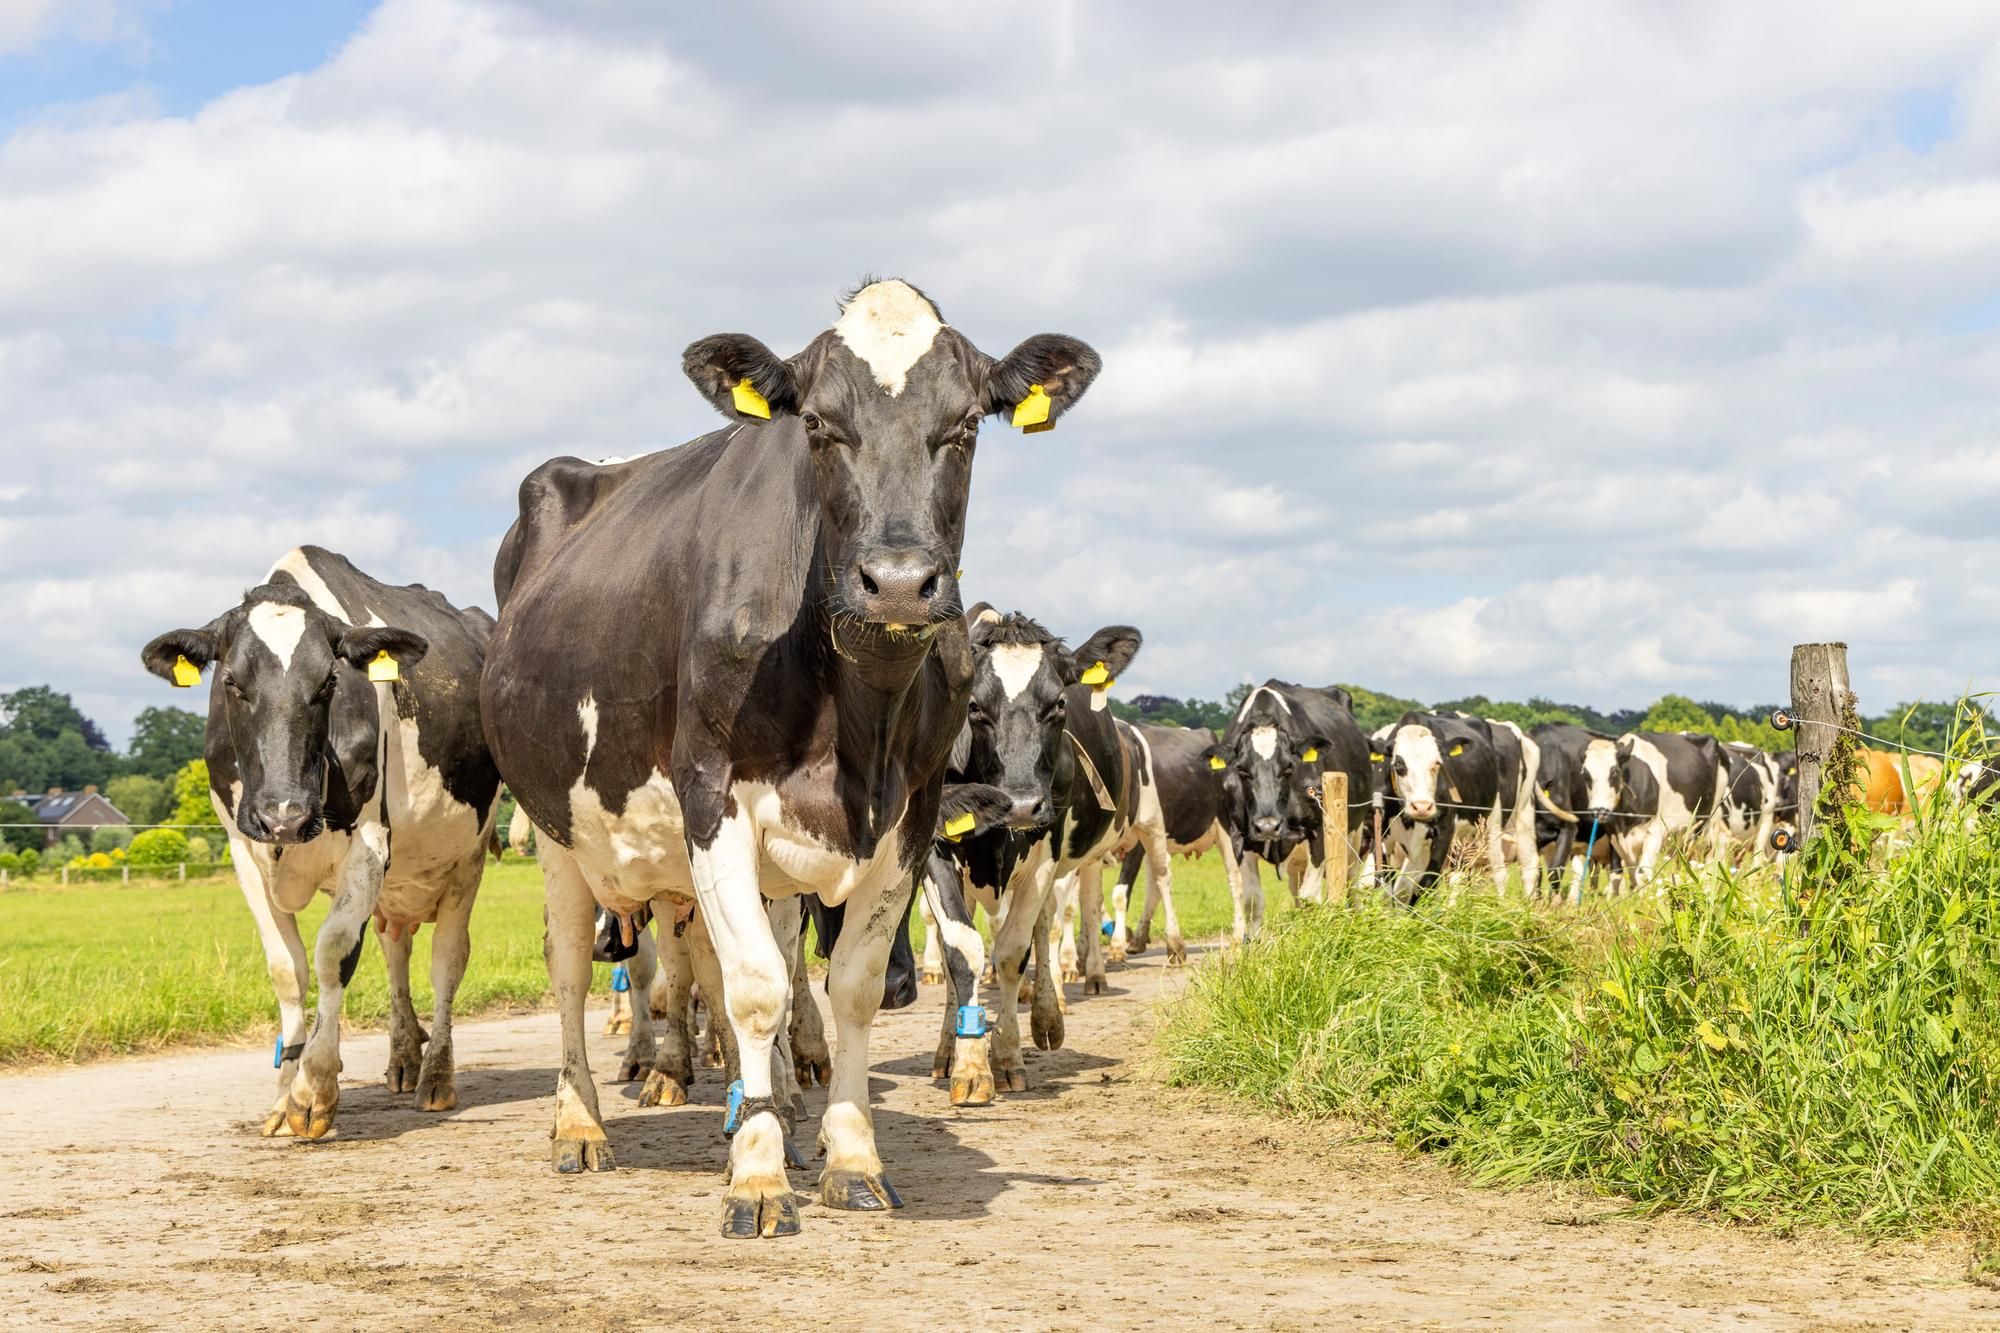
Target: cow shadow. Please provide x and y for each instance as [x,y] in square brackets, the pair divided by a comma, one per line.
[369,1112]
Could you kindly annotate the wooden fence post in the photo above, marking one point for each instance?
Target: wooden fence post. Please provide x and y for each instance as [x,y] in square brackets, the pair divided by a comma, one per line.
[184,872]
[1821,700]
[124,873]
[1333,831]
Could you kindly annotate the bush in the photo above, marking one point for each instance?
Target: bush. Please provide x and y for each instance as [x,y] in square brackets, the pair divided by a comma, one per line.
[159,847]
[199,849]
[109,838]
[10,862]
[31,860]
[142,799]
[98,861]
[18,827]
[71,848]
[1823,1051]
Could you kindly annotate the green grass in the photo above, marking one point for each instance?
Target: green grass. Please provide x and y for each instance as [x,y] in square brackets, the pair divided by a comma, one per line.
[1824,1052]
[96,970]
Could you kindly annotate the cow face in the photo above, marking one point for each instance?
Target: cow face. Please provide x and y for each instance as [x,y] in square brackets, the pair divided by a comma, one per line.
[278,661]
[890,400]
[1603,777]
[1415,760]
[1014,722]
[1271,774]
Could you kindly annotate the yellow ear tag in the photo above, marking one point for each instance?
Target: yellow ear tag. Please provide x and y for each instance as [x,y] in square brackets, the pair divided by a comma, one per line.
[748,401]
[1031,414]
[186,674]
[958,826]
[1457,750]
[1310,756]
[384,668]
[1096,675]
[1376,758]
[1217,762]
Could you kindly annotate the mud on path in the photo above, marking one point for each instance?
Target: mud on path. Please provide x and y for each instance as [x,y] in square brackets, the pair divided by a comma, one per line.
[138,1194]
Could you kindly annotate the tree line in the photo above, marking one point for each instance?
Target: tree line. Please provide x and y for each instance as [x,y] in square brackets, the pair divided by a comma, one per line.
[47,741]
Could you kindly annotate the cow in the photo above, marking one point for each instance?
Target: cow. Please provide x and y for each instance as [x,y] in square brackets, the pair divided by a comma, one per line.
[1444,769]
[1648,786]
[345,757]
[1896,783]
[1180,814]
[1276,754]
[778,719]
[1036,730]
[1749,809]
[1974,782]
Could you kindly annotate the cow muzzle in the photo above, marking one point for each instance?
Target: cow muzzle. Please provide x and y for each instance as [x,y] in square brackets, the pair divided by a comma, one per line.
[1421,810]
[1029,812]
[280,822]
[901,588]
[1266,825]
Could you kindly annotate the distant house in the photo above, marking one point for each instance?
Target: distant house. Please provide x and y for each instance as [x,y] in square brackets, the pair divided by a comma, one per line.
[62,812]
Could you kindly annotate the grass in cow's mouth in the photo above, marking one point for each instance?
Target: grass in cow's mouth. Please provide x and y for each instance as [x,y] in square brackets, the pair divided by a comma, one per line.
[1827,1055]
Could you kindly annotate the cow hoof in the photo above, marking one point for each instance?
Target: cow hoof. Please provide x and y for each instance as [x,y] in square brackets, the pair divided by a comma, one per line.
[1114,954]
[811,1070]
[663,1090]
[309,1122]
[932,977]
[712,1059]
[1177,952]
[617,1026]
[1071,973]
[1093,985]
[857,1192]
[977,1091]
[1016,1080]
[405,1070]
[438,1092]
[573,1157]
[631,1070]
[941,1065]
[1027,992]
[794,1161]
[755,1218]
[1141,940]
[1047,1030]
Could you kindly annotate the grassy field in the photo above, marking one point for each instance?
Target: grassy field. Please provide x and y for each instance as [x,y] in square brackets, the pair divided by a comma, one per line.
[1822,1051]
[98,970]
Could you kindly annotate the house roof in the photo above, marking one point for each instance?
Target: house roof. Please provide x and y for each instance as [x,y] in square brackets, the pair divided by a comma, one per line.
[79,807]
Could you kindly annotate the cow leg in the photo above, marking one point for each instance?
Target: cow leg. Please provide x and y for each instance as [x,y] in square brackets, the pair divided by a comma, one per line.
[673,1065]
[640,968]
[720,1043]
[406,1034]
[451,946]
[309,1106]
[1011,942]
[618,1022]
[1308,880]
[933,973]
[1045,1011]
[1064,910]
[1160,884]
[1248,887]
[968,1060]
[577,1141]
[853,1178]
[285,960]
[1089,894]
[811,1060]
[756,995]
[1496,849]
[1126,942]
[1527,856]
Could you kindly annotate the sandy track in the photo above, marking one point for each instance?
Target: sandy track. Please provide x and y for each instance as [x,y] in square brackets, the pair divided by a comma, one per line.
[137,1194]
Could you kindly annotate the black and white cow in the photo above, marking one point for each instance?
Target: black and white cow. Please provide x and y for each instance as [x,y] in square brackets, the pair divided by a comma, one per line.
[378,792]
[1038,733]
[1181,808]
[1446,771]
[1749,808]
[1648,786]
[1276,753]
[778,719]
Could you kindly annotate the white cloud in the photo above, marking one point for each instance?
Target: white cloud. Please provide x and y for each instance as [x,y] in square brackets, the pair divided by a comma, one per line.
[1588,350]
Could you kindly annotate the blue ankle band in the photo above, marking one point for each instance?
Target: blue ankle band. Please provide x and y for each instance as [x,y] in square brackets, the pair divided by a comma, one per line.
[971,1021]
[621,980]
[281,1052]
[733,1117]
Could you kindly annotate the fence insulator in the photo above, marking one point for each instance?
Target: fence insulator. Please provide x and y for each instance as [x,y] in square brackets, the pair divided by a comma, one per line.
[1781,719]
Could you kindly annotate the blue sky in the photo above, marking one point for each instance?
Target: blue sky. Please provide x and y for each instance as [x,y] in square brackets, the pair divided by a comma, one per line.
[1590,351]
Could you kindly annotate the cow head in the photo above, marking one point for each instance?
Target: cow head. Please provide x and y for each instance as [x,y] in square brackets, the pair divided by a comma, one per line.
[1014,723]
[1416,759]
[890,400]
[279,660]
[1602,776]
[1271,772]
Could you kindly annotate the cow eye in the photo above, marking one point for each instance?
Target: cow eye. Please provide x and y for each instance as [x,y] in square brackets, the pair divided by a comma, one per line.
[1402,767]
[325,687]
[1055,710]
[813,422]
[976,715]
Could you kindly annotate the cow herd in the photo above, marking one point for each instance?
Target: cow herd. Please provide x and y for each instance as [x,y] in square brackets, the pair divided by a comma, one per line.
[733,688]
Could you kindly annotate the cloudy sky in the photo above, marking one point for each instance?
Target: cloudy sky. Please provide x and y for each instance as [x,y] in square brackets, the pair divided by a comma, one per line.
[1576,349]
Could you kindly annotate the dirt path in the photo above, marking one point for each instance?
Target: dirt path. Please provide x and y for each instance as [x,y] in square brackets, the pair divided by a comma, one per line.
[138,1194]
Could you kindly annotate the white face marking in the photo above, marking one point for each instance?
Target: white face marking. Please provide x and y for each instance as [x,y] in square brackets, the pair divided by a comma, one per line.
[294,563]
[586,713]
[1016,664]
[1599,758]
[280,628]
[889,326]
[1264,740]
[1252,697]
[1418,749]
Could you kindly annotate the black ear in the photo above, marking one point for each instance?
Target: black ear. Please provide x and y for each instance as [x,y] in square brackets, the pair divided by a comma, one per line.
[717,364]
[1114,645]
[1311,745]
[359,646]
[198,646]
[988,808]
[1212,759]
[1064,367]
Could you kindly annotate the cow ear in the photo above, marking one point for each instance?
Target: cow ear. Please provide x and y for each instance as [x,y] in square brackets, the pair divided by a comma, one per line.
[1213,759]
[1112,648]
[742,377]
[164,655]
[971,808]
[1310,749]
[362,646]
[1047,365]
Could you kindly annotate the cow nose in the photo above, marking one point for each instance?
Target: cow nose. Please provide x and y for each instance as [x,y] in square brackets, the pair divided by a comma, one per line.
[1029,812]
[1423,809]
[899,587]
[1265,823]
[1598,814]
[283,820]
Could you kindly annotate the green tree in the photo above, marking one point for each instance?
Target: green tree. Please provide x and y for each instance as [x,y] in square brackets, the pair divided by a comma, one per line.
[14,815]
[163,739]
[142,799]
[108,837]
[159,847]
[39,711]
[191,803]
[31,860]
[1677,712]
[1373,710]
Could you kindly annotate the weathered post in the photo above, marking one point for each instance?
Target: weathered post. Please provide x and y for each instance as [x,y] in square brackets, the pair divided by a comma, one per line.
[124,873]
[1333,830]
[1821,704]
